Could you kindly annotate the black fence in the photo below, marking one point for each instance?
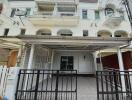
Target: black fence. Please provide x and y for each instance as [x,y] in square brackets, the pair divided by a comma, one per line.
[114,85]
[46,85]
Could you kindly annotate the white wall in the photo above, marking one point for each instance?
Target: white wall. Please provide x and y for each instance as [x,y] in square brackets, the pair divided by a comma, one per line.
[83,24]
[84,65]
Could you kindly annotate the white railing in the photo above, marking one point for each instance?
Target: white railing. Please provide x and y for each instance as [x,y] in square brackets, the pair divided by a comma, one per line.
[113,15]
[53,15]
[8,79]
[68,1]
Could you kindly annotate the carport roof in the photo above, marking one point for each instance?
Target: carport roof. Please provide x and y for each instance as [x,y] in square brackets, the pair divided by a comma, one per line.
[75,43]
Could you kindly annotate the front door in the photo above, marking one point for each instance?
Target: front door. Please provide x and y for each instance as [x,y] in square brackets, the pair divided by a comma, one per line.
[66,63]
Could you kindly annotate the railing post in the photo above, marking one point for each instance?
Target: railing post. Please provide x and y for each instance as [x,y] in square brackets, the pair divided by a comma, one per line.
[37,84]
[56,89]
[116,85]
[17,87]
[97,84]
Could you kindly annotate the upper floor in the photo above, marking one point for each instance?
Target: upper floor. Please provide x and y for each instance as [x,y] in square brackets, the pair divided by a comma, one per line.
[80,15]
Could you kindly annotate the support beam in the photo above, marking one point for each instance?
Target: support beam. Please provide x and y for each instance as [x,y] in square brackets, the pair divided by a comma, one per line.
[120,60]
[29,64]
[19,57]
[121,68]
[95,61]
[52,59]
[31,57]
[101,64]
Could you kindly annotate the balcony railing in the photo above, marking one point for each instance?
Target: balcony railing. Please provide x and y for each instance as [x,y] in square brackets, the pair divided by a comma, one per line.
[113,20]
[113,15]
[52,14]
[66,1]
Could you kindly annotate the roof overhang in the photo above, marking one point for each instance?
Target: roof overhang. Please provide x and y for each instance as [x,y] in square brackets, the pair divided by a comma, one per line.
[75,43]
[10,43]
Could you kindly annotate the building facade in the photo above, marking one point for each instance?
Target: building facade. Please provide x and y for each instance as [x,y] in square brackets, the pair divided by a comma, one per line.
[64,34]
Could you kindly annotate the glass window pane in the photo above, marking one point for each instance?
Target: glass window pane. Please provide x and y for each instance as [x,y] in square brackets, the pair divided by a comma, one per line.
[97,15]
[84,14]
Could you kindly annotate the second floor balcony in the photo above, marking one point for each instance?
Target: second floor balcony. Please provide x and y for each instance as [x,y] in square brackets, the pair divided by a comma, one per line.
[113,20]
[58,19]
[58,1]
[60,15]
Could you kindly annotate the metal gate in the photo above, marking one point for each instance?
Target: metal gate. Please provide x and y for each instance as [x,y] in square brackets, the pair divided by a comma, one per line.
[111,87]
[46,85]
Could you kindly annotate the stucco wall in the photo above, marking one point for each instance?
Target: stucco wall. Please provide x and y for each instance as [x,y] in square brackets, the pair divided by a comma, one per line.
[83,61]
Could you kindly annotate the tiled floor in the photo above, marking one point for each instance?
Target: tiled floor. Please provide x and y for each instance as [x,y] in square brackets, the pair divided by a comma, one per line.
[87,88]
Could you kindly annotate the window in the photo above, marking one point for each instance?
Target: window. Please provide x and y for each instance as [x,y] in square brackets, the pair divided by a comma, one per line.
[117,35]
[13,12]
[97,15]
[109,11]
[67,63]
[84,14]
[66,34]
[6,31]
[28,11]
[99,35]
[85,32]
[45,33]
[24,11]
[23,31]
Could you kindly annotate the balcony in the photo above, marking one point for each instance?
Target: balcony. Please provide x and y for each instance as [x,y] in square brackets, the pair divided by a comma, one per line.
[58,15]
[57,19]
[115,4]
[113,20]
[58,1]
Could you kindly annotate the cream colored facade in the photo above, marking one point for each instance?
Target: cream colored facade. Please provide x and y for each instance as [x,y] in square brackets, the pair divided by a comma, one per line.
[53,30]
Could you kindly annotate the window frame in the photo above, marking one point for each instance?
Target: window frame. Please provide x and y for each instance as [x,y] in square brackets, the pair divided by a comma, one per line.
[84,11]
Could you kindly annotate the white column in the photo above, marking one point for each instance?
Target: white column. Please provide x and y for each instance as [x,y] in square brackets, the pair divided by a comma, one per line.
[95,61]
[29,63]
[31,57]
[121,68]
[24,57]
[52,59]
[120,60]
[101,64]
[18,57]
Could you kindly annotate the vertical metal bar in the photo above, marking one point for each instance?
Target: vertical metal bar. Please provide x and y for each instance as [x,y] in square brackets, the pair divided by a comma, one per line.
[97,84]
[107,87]
[71,85]
[121,85]
[51,84]
[66,85]
[23,80]
[111,83]
[17,85]
[31,83]
[102,84]
[76,83]
[62,87]
[56,90]
[27,85]
[37,83]
[116,86]
[47,84]
[42,85]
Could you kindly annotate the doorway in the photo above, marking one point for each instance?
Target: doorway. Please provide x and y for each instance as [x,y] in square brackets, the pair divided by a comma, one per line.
[66,63]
